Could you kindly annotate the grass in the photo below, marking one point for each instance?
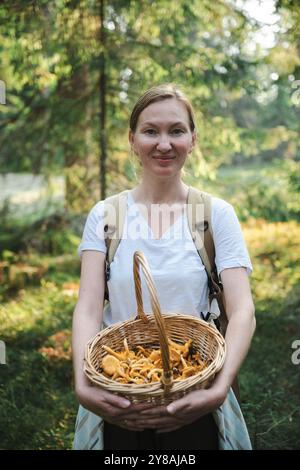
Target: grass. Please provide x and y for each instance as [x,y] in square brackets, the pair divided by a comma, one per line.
[38,407]
[269,379]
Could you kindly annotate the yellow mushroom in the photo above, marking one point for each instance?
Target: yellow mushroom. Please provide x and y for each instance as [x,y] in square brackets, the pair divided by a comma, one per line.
[154,371]
[188,372]
[183,362]
[174,355]
[144,365]
[142,351]
[155,378]
[110,364]
[126,345]
[155,355]
[119,355]
[183,348]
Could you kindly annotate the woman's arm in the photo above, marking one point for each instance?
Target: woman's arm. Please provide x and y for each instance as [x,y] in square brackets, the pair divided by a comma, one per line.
[87,317]
[241,326]
[87,320]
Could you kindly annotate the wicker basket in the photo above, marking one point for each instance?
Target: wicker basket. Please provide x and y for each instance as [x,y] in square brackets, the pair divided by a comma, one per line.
[153,331]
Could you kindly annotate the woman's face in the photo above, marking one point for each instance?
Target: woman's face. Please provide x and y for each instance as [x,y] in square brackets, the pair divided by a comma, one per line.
[163,139]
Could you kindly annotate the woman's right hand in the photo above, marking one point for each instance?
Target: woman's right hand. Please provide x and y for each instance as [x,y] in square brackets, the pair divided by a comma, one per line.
[114,409]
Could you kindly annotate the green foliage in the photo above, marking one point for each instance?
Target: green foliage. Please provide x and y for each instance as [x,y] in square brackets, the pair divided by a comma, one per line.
[50,55]
[268,192]
[269,379]
[38,406]
[52,234]
[28,251]
[293,174]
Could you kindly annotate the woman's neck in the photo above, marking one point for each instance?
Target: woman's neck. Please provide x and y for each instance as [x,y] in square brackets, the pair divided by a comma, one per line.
[160,191]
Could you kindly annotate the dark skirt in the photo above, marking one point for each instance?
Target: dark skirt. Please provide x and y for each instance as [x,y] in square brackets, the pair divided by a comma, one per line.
[199,435]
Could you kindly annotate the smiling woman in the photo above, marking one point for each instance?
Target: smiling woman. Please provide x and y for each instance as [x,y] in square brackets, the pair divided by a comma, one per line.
[162,135]
[162,131]
[162,138]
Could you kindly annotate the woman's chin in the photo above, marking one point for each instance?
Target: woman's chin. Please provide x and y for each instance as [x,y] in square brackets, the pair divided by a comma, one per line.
[163,171]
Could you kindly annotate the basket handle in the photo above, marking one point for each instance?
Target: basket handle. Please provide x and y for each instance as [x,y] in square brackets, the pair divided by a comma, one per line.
[139,259]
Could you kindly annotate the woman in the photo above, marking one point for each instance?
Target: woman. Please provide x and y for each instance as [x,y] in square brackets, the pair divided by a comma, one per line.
[162,135]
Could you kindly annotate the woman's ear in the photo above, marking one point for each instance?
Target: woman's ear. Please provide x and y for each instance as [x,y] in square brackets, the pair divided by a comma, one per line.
[131,140]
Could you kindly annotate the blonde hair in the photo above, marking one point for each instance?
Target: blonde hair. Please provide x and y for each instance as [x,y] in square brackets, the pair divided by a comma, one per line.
[160,93]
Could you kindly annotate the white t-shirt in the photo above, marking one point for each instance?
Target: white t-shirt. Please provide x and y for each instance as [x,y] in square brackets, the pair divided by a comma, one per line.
[178,272]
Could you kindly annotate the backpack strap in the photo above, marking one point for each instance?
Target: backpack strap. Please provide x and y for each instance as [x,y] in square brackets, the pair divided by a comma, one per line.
[199,219]
[114,217]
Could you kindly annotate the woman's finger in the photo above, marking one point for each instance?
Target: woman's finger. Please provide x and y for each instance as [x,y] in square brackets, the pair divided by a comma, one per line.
[155,411]
[133,411]
[178,406]
[114,400]
[131,425]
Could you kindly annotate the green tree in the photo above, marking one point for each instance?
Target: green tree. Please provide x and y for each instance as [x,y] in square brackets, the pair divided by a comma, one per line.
[74,68]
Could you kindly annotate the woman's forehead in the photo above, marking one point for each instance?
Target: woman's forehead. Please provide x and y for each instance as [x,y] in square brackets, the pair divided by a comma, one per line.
[168,111]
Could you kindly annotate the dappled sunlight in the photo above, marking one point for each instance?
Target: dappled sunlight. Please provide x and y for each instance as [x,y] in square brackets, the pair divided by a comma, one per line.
[58,346]
[34,310]
[274,249]
[70,289]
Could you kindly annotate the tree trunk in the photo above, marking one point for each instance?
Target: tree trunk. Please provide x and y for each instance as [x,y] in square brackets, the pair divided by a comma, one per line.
[102,103]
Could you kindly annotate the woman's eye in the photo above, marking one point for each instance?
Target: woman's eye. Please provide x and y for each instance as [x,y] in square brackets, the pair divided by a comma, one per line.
[154,132]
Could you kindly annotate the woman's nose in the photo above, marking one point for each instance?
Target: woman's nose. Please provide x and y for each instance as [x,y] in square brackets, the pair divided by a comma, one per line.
[164,144]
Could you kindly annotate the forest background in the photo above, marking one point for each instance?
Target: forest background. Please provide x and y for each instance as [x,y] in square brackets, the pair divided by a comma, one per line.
[70,73]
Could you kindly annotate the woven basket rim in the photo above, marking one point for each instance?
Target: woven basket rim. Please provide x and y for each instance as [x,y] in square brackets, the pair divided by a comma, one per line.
[208,339]
[137,389]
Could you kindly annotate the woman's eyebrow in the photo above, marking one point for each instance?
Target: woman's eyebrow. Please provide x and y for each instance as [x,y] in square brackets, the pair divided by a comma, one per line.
[172,124]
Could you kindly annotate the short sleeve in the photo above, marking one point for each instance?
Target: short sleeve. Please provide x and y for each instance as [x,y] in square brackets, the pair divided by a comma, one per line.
[93,233]
[231,249]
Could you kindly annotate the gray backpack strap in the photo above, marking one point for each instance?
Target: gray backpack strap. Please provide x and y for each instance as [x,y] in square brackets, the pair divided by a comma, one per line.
[199,218]
[114,217]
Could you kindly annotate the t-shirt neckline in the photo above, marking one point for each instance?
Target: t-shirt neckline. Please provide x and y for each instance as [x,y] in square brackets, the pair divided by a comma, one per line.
[172,227]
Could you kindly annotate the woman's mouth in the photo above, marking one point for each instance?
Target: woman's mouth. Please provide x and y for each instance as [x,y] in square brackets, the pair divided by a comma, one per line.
[163,160]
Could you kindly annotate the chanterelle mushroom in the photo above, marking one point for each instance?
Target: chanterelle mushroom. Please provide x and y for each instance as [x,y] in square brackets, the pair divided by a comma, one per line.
[110,364]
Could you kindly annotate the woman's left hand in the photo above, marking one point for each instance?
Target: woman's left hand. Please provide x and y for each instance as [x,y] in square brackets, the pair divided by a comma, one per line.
[184,411]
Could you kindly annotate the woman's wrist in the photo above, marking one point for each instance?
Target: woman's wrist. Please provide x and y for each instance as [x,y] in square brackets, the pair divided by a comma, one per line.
[81,383]
[220,390]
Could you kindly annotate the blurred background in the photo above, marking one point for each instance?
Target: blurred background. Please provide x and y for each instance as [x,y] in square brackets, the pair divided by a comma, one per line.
[71,71]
